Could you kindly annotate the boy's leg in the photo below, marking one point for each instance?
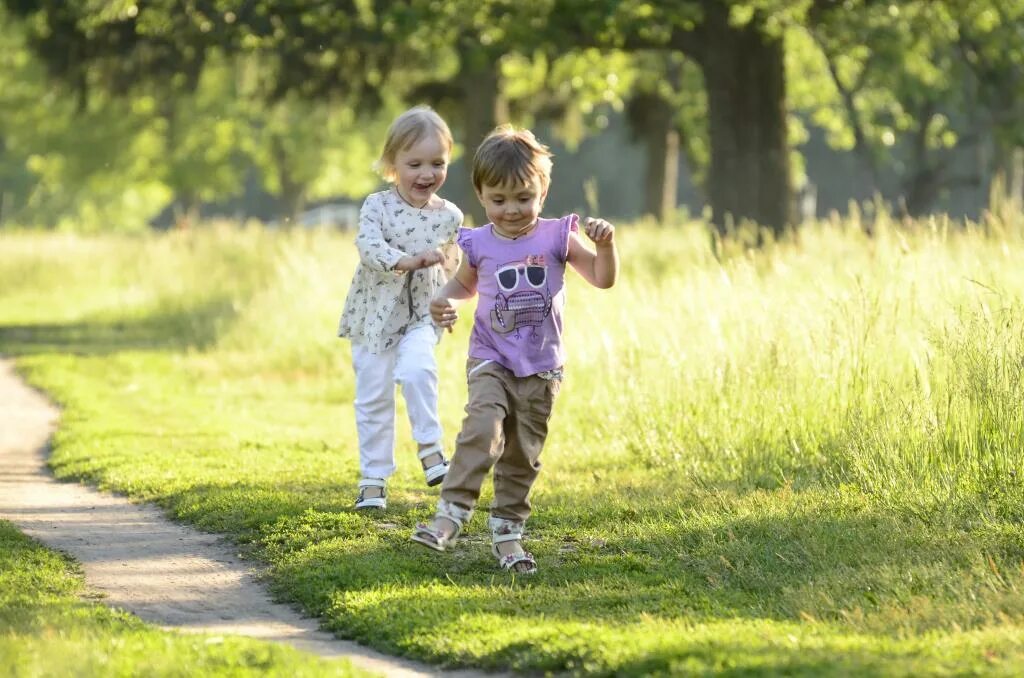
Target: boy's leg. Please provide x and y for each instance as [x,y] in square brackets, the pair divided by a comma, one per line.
[477,446]
[526,430]
[375,411]
[516,470]
[480,442]
[416,373]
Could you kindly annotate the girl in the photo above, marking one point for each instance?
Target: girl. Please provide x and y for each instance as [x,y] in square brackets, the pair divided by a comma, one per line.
[516,264]
[403,234]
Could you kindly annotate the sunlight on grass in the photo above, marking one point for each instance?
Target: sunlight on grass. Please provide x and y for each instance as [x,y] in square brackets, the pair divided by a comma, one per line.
[819,440]
[47,630]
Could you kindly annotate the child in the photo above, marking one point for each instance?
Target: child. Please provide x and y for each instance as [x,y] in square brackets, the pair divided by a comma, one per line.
[402,231]
[516,263]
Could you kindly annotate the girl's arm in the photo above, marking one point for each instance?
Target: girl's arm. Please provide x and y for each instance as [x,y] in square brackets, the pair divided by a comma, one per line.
[375,252]
[452,258]
[462,286]
[600,269]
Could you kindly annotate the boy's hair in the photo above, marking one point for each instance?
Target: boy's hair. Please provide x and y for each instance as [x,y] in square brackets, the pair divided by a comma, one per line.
[406,130]
[511,154]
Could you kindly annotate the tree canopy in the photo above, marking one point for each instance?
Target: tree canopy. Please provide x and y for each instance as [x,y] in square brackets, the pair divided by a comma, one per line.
[727,85]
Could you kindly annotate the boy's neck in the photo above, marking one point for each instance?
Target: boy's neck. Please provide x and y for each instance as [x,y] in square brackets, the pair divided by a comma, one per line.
[526,230]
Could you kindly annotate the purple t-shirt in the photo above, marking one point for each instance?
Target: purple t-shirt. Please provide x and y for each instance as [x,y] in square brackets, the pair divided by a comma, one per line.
[521,284]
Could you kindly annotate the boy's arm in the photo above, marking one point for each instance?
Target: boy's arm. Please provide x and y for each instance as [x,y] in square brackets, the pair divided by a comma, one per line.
[600,269]
[462,286]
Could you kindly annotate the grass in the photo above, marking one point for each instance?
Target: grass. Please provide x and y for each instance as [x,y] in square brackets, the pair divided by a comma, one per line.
[47,629]
[804,459]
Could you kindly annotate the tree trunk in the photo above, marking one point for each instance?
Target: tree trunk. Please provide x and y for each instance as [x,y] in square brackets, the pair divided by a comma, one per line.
[749,175]
[293,192]
[1016,187]
[483,108]
[3,193]
[661,143]
[294,196]
[186,211]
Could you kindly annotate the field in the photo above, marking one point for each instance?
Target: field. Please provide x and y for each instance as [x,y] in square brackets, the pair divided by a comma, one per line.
[804,458]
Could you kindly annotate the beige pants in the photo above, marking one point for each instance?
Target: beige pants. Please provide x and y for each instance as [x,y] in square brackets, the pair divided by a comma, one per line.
[505,427]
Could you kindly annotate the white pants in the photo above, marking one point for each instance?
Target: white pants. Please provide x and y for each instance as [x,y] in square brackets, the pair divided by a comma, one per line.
[410,365]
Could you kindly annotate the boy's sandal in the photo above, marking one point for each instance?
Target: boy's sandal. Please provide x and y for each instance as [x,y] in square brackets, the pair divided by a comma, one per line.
[379,501]
[431,537]
[503,531]
[435,473]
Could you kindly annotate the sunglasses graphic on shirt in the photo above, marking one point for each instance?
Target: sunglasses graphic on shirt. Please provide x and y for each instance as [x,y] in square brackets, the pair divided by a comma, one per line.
[508,276]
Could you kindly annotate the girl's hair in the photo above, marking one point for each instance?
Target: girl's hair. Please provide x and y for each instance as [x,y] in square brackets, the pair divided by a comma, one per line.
[511,154]
[408,129]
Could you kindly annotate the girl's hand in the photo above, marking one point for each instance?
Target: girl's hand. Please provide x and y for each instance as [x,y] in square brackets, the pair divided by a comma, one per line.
[414,262]
[443,313]
[430,257]
[599,231]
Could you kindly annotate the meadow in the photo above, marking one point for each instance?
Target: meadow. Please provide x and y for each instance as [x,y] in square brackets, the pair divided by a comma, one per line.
[803,458]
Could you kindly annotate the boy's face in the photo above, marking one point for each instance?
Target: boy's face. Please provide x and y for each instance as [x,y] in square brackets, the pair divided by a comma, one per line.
[421,169]
[513,206]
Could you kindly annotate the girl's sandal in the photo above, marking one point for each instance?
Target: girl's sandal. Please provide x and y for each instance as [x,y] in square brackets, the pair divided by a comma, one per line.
[378,499]
[436,471]
[504,531]
[435,538]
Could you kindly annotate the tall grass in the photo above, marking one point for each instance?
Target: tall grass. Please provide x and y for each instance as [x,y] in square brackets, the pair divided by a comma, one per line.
[820,434]
[891,360]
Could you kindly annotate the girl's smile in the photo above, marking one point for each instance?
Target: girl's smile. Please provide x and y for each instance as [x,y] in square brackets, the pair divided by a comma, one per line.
[420,170]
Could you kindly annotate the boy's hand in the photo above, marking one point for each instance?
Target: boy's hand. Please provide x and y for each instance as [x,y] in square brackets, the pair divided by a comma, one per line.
[599,231]
[443,313]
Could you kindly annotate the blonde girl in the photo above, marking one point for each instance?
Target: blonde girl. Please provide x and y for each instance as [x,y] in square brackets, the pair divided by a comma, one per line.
[405,243]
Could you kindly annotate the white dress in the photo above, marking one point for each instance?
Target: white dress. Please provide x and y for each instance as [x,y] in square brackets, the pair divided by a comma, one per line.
[383,304]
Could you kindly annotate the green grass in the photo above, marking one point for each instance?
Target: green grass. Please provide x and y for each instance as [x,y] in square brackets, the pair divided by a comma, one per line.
[47,629]
[804,459]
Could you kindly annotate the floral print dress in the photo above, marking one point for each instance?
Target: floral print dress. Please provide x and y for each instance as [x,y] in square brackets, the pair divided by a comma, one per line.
[383,304]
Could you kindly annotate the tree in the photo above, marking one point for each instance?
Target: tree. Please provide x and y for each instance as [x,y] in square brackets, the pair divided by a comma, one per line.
[354,47]
[361,48]
[68,162]
[915,83]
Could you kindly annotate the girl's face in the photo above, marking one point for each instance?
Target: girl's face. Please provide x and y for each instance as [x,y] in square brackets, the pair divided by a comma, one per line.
[421,169]
[513,207]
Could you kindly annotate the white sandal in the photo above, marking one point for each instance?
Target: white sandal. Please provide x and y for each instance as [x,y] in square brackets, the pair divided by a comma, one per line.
[364,502]
[433,538]
[435,474]
[503,531]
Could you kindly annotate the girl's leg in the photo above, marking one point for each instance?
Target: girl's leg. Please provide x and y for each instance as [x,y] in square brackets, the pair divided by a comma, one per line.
[375,411]
[416,373]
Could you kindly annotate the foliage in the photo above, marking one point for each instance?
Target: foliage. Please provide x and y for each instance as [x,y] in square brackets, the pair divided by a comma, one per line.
[914,82]
[911,87]
[69,163]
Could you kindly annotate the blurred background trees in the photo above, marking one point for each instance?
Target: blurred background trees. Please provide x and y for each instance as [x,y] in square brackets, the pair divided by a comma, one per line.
[112,113]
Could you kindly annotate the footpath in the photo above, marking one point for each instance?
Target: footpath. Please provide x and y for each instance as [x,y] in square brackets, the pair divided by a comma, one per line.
[165,573]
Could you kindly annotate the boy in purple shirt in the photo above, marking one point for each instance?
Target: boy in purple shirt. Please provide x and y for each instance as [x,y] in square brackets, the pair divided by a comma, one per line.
[516,264]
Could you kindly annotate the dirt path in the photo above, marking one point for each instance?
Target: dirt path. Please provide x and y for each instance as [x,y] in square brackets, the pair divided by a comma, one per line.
[165,573]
